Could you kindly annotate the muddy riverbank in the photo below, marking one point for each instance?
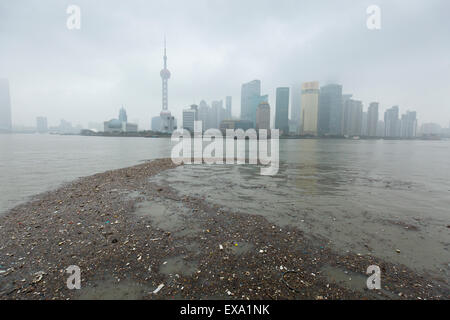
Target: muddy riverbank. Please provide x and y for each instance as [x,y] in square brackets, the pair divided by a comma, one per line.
[129,235]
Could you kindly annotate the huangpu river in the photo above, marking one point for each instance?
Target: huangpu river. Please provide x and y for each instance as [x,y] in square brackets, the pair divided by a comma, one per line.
[366,196]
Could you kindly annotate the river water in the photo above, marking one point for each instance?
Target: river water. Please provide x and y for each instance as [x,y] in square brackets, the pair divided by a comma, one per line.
[364,196]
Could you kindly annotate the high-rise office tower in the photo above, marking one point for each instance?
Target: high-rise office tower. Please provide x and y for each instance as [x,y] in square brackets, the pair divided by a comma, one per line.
[250,100]
[228,102]
[218,113]
[352,117]
[203,114]
[310,107]
[392,122]
[282,110]
[296,98]
[41,125]
[372,119]
[409,124]
[123,115]
[380,129]
[263,116]
[5,106]
[190,115]
[330,110]
[364,128]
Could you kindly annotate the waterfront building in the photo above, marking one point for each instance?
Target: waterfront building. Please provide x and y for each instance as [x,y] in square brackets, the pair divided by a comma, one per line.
[380,129]
[263,116]
[228,105]
[190,115]
[372,119]
[282,110]
[296,98]
[392,122]
[250,99]
[120,125]
[41,125]
[364,128]
[408,124]
[352,117]
[203,115]
[330,110]
[5,107]
[310,108]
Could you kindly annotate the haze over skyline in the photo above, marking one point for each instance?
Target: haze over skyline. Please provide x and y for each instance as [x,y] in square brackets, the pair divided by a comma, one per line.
[213,47]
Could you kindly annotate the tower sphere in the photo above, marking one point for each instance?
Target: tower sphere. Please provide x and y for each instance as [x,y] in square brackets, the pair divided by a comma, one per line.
[165,74]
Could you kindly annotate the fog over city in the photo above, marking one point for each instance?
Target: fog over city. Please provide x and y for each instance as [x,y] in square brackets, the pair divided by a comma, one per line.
[213,47]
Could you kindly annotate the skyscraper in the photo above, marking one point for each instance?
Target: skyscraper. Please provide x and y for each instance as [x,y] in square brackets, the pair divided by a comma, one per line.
[250,100]
[228,102]
[282,110]
[296,98]
[352,117]
[123,115]
[203,114]
[392,122]
[190,115]
[409,124]
[364,128]
[330,110]
[263,116]
[5,106]
[310,107]
[372,119]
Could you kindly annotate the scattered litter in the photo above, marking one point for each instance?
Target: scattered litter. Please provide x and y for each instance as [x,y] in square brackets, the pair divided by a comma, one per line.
[159,288]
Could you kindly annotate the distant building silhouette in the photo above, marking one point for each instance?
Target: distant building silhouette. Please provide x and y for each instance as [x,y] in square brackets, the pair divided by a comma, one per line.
[296,98]
[190,115]
[352,117]
[408,124]
[372,119]
[392,122]
[330,110]
[310,107]
[120,125]
[282,110]
[263,116]
[228,105]
[250,100]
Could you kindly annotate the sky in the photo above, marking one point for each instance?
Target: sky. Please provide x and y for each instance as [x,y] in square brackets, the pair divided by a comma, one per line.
[214,46]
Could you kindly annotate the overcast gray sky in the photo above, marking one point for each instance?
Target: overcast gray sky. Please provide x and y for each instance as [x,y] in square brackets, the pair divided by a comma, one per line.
[213,47]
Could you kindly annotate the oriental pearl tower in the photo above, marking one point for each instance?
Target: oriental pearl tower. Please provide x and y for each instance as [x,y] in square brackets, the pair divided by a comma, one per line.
[167,121]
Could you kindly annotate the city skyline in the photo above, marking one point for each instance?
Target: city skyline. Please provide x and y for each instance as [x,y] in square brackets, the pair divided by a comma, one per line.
[82,75]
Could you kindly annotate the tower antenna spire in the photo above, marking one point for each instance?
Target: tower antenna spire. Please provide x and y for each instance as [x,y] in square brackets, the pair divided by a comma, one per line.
[165,53]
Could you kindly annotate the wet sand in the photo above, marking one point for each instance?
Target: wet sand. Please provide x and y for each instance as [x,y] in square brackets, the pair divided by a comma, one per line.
[129,234]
